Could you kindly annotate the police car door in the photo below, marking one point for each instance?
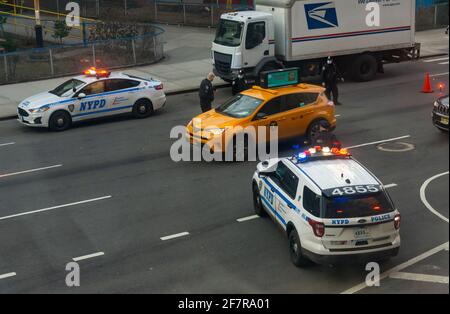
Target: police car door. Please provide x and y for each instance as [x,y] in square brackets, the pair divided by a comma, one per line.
[123,94]
[94,102]
[279,191]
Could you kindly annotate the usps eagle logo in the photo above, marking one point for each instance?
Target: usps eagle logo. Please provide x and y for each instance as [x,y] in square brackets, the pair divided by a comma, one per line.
[321,15]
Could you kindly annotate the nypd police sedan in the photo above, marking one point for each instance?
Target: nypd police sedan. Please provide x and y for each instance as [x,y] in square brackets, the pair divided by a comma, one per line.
[95,94]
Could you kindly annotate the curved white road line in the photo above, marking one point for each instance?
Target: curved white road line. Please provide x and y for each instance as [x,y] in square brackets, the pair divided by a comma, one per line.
[424,198]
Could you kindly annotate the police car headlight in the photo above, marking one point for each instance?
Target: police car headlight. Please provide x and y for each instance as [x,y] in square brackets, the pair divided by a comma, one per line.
[39,110]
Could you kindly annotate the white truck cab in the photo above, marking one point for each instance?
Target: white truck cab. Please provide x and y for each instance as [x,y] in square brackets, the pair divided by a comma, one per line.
[303,33]
[331,207]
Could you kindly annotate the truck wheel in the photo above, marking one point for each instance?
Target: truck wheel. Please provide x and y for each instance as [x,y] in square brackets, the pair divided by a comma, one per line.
[364,68]
[295,249]
[60,121]
[257,204]
[143,108]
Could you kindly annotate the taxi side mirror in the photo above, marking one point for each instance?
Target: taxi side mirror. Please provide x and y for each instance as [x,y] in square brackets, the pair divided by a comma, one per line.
[260,116]
[81,95]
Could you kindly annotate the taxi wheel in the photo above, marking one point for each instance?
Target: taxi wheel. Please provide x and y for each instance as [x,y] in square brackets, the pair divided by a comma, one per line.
[313,131]
[257,204]
[143,108]
[60,121]
[295,249]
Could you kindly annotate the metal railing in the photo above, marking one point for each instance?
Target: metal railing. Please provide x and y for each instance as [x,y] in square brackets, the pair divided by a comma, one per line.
[64,60]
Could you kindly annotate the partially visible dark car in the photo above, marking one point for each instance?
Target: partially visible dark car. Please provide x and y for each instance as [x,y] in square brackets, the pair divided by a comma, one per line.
[440,113]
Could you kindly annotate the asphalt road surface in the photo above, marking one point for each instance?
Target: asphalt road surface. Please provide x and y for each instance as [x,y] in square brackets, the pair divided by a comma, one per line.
[104,193]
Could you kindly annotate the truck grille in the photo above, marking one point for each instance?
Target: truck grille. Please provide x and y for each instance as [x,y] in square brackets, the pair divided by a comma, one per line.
[222,62]
[23,112]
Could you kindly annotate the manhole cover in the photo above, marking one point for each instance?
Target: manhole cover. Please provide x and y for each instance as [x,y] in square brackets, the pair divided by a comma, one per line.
[395,147]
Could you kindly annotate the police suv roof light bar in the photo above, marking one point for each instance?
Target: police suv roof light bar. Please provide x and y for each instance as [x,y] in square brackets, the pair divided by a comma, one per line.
[321,153]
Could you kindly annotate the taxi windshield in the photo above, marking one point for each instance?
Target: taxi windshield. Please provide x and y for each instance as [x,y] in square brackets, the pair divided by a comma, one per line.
[66,88]
[228,33]
[240,106]
[357,206]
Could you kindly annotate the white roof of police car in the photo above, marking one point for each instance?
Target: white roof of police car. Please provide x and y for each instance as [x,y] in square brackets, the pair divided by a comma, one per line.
[327,174]
[114,75]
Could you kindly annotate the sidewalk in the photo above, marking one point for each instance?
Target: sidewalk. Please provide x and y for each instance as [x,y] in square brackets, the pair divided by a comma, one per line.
[187,51]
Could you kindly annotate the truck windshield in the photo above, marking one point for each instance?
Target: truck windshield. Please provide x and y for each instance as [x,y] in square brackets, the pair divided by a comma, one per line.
[66,88]
[357,206]
[229,33]
[240,106]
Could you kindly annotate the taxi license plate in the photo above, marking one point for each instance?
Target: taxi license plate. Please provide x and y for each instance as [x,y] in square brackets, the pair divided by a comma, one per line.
[444,121]
[362,233]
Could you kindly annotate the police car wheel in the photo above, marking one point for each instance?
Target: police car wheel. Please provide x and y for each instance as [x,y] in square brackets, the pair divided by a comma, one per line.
[257,204]
[295,249]
[60,121]
[143,108]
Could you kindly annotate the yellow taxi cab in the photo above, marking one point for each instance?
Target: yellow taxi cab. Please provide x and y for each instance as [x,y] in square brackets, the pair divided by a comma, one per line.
[296,109]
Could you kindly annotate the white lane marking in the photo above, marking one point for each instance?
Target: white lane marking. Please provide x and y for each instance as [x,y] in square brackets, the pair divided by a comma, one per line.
[439,74]
[4,276]
[80,258]
[424,198]
[337,116]
[379,142]
[6,144]
[55,207]
[399,267]
[247,218]
[28,171]
[435,60]
[173,236]
[443,63]
[419,277]
[388,186]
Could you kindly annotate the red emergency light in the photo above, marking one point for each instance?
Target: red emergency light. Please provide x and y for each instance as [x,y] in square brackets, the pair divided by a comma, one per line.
[92,71]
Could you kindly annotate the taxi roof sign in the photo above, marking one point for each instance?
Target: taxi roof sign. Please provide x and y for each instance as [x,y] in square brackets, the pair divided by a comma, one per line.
[280,78]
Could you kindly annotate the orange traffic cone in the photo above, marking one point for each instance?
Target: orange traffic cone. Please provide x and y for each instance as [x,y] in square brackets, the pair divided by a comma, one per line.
[427,84]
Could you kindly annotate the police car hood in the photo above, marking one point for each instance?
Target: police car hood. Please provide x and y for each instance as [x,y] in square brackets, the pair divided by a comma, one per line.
[40,100]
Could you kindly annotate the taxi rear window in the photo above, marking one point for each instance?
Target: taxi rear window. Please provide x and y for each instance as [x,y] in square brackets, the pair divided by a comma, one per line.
[356,206]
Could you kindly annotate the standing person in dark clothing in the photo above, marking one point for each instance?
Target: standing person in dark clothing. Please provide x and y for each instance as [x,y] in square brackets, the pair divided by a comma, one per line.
[331,76]
[240,83]
[206,93]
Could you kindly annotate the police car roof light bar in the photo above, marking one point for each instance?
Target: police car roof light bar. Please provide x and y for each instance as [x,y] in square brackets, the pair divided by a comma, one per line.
[92,71]
[321,153]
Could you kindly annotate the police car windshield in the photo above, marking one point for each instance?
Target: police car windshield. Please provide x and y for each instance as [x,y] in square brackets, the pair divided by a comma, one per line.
[240,106]
[229,33]
[66,88]
[356,206]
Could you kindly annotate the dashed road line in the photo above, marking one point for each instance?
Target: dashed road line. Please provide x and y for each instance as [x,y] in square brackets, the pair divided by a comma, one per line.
[247,218]
[391,185]
[84,257]
[56,207]
[424,198]
[8,275]
[398,268]
[420,277]
[439,74]
[6,144]
[174,236]
[379,142]
[28,171]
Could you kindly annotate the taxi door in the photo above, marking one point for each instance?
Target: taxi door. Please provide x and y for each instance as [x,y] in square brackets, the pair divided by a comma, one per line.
[96,102]
[299,111]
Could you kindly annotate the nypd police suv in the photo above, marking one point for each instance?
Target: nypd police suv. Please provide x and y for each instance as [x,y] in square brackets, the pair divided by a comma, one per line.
[96,93]
[331,207]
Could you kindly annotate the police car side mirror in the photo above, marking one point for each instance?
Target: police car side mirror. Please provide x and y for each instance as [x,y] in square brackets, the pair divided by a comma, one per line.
[81,95]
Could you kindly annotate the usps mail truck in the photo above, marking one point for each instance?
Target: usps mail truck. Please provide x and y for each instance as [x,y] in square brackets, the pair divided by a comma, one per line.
[361,35]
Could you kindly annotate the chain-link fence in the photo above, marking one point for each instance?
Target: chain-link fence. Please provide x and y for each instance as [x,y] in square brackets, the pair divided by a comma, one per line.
[431,14]
[73,59]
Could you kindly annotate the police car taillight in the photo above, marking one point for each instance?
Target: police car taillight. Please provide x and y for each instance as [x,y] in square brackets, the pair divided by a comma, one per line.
[318,227]
[397,220]
[159,87]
